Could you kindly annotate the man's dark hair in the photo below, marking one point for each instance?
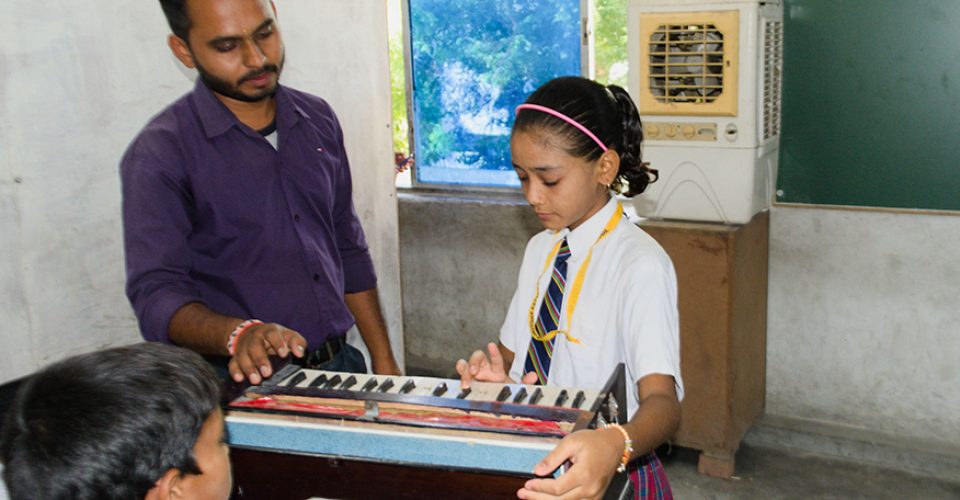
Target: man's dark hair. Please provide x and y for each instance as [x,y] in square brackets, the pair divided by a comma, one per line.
[107,424]
[177,17]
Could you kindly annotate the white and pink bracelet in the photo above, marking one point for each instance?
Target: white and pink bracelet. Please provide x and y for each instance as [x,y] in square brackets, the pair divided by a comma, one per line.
[235,334]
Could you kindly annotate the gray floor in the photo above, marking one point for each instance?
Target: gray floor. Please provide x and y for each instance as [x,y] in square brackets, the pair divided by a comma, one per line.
[768,473]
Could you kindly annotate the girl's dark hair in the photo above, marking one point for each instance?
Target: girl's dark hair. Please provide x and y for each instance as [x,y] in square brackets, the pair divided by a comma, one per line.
[607,111]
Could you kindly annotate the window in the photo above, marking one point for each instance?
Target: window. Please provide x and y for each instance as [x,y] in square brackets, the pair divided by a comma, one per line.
[471,63]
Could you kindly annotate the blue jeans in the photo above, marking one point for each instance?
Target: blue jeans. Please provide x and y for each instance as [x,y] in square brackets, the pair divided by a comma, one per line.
[349,359]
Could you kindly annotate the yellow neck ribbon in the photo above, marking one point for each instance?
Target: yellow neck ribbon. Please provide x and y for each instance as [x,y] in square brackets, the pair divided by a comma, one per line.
[574,294]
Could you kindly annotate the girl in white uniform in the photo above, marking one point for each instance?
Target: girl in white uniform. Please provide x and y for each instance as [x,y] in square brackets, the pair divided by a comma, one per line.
[594,290]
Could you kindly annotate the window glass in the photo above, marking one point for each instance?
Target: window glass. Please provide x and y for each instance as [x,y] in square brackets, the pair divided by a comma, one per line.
[472,63]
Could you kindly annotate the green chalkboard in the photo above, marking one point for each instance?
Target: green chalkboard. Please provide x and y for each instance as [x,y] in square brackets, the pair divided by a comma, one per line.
[871,104]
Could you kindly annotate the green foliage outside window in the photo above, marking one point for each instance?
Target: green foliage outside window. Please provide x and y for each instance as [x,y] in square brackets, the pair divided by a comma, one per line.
[610,41]
[398,92]
[495,50]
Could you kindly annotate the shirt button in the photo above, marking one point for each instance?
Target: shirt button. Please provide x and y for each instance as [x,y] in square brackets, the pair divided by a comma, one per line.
[296,217]
[316,277]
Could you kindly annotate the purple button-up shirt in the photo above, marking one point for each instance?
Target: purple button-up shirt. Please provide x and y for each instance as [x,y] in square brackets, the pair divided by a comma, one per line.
[212,213]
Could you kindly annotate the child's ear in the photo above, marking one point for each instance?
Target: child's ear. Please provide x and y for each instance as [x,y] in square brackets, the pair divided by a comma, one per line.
[608,167]
[168,487]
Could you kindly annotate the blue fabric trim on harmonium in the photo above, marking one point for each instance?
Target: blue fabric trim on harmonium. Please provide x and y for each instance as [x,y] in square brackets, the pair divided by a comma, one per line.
[373,443]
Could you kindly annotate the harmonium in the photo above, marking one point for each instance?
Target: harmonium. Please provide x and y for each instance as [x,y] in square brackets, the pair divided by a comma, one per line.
[319,434]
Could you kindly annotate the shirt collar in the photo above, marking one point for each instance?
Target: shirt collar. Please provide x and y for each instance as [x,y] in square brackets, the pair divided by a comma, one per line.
[216,118]
[585,235]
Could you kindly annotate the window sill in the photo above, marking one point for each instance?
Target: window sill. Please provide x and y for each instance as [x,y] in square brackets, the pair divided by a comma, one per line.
[464,196]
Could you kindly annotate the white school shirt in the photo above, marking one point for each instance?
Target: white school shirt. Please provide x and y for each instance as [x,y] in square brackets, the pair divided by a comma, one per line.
[627,310]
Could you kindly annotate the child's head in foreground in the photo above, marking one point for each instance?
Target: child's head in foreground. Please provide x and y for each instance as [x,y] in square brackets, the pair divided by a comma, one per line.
[134,422]
[574,140]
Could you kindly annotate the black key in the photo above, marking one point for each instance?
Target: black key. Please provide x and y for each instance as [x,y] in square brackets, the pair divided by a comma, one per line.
[504,394]
[296,379]
[348,383]
[369,385]
[408,386]
[577,401]
[440,390]
[464,393]
[537,395]
[336,379]
[386,385]
[317,382]
[562,398]
[522,393]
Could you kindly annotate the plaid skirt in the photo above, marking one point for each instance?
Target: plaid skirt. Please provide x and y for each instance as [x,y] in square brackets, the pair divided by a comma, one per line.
[649,479]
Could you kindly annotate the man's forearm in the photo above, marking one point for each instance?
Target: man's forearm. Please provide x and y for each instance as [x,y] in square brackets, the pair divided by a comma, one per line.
[199,329]
[365,307]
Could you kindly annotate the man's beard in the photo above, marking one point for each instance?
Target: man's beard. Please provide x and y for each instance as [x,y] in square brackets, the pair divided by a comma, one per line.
[232,91]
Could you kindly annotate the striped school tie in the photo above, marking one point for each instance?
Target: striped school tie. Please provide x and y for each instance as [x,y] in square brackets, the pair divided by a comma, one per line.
[540,352]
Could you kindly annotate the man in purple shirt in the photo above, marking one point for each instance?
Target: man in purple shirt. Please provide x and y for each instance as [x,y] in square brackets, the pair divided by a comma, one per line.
[240,233]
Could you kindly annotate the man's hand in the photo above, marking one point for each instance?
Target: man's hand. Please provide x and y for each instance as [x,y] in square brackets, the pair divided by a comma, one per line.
[256,343]
[594,456]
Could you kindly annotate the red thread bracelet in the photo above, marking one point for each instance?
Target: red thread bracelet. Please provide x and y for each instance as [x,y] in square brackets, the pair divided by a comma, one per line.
[235,334]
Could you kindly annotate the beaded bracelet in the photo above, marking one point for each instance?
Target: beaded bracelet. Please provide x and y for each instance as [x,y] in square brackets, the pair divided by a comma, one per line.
[235,334]
[627,446]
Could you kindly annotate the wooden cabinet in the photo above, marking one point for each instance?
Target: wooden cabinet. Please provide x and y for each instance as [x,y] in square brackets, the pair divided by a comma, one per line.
[722,298]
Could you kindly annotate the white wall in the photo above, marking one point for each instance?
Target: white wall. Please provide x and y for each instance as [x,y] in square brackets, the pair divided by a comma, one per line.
[338,49]
[864,321]
[78,79]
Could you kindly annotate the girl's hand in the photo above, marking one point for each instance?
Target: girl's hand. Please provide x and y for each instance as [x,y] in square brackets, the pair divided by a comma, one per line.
[594,456]
[482,368]
[487,367]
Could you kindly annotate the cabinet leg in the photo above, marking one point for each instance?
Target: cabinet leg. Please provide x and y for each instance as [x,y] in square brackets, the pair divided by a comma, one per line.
[716,464]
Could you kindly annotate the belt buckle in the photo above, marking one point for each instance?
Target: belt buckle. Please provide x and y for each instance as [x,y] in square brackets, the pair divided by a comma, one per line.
[321,355]
[314,360]
[328,346]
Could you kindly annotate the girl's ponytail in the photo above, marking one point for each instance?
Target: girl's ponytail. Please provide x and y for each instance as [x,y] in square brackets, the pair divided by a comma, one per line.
[634,174]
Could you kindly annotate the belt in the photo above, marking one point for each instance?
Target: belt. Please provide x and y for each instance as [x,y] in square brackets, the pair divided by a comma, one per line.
[327,351]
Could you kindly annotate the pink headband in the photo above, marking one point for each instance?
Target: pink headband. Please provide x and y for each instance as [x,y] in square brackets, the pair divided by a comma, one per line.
[565,118]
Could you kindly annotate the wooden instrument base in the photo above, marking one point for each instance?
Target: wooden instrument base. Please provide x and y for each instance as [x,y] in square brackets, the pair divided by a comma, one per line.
[279,476]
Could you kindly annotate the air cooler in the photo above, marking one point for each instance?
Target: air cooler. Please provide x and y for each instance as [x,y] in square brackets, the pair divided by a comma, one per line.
[706,76]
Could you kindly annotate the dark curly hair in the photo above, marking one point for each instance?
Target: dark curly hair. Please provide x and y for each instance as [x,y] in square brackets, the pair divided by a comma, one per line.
[607,111]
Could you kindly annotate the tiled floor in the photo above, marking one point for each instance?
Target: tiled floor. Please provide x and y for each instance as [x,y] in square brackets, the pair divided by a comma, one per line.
[767,473]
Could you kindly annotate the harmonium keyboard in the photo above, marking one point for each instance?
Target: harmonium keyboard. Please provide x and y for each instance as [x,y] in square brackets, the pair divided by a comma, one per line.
[310,433]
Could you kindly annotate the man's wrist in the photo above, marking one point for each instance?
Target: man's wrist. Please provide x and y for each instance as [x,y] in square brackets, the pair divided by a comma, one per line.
[234,337]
